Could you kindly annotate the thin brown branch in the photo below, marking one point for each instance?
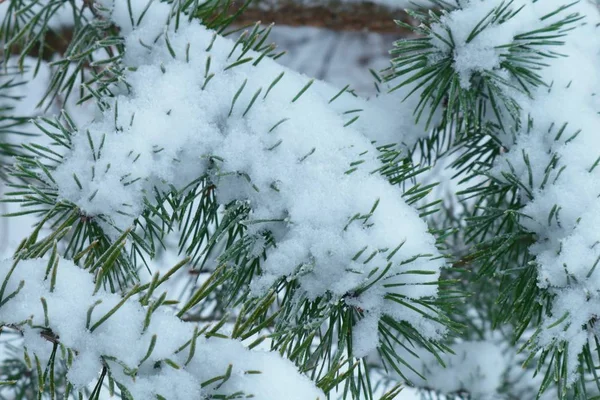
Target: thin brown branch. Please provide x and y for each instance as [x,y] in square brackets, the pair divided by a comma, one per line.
[335,16]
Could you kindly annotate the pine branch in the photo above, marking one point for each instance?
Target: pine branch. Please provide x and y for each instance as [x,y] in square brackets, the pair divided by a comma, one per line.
[168,353]
[116,208]
[488,91]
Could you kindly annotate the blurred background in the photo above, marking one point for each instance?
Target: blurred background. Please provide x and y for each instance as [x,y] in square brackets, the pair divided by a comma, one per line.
[335,41]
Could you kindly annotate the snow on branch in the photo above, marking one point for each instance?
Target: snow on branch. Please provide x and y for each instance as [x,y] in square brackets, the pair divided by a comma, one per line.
[555,156]
[324,209]
[145,349]
[521,79]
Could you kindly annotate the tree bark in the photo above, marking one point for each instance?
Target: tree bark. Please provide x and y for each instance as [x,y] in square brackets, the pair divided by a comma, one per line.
[332,15]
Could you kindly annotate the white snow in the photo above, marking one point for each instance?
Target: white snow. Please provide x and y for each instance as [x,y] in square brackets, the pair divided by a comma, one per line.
[561,204]
[479,52]
[122,341]
[169,130]
[288,160]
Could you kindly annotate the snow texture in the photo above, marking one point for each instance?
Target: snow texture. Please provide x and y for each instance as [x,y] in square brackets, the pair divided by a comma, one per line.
[556,157]
[480,53]
[289,157]
[123,341]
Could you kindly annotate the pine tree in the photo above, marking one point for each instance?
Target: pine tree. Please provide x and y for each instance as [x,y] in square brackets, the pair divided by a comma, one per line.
[224,227]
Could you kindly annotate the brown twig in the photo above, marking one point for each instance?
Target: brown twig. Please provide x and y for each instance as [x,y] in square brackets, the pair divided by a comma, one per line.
[335,16]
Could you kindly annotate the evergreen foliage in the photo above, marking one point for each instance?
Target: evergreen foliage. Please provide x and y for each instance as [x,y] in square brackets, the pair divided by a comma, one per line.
[224,227]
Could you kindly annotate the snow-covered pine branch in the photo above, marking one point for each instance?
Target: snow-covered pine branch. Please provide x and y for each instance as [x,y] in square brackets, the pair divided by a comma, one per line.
[201,105]
[308,178]
[519,81]
[298,207]
[138,345]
